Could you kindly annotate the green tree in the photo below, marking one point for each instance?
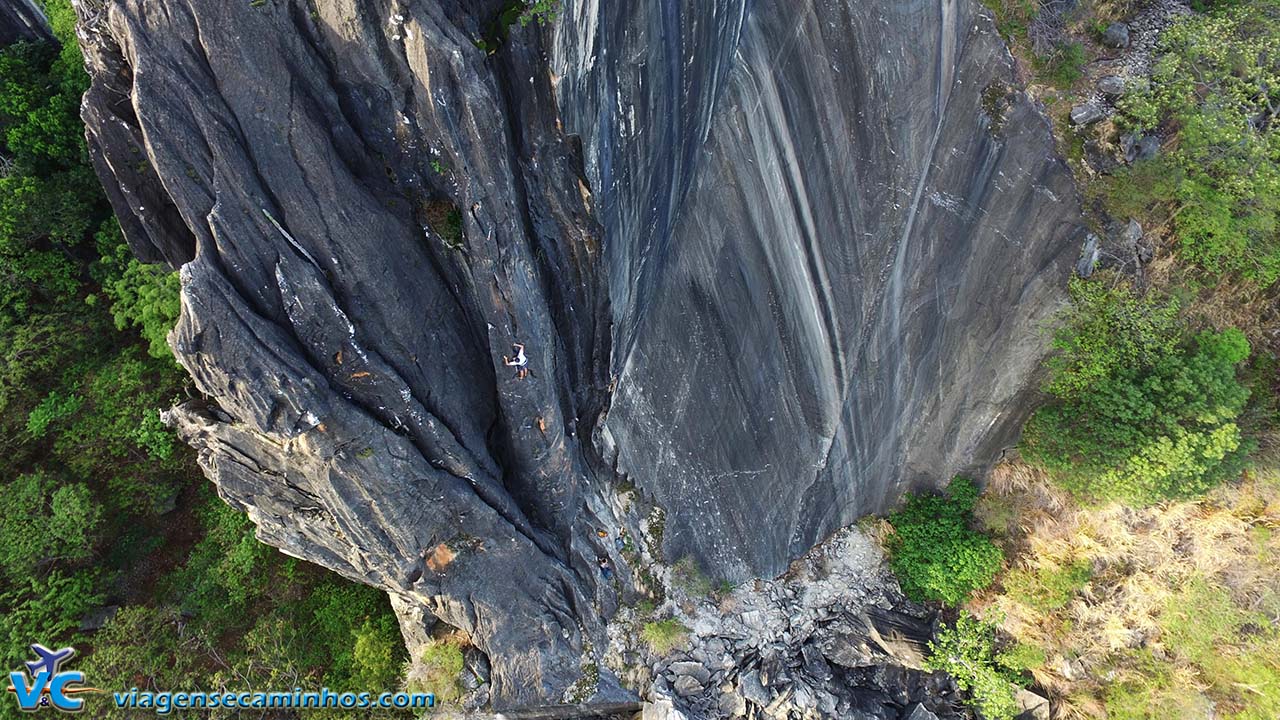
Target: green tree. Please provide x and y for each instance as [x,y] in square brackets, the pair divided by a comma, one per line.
[43,522]
[377,653]
[1143,410]
[142,296]
[148,648]
[54,603]
[967,651]
[226,571]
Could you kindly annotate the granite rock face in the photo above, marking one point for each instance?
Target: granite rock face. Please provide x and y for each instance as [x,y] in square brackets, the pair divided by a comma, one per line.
[771,264]
[831,231]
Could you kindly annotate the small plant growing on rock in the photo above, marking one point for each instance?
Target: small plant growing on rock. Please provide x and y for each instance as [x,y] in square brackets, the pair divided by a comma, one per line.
[687,576]
[1063,65]
[663,636]
[540,11]
[437,671]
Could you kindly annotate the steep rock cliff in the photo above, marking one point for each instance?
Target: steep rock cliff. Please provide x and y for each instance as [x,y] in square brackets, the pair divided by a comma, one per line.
[831,233]
[770,263]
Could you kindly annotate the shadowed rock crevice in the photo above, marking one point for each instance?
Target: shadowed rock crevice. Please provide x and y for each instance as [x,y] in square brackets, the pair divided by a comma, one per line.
[769,262]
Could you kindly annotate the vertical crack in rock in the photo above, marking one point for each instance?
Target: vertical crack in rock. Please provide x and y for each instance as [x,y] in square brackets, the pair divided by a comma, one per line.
[767,261]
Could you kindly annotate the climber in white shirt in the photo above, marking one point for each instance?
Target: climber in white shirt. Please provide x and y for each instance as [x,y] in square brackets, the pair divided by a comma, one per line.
[519,362]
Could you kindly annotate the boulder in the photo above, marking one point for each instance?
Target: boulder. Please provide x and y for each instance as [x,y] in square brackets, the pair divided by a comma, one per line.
[750,687]
[1088,113]
[732,705]
[661,709]
[919,712]
[686,685]
[1031,706]
[1132,233]
[1137,146]
[690,669]
[1116,35]
[1112,85]
[95,619]
[1089,255]
[1148,147]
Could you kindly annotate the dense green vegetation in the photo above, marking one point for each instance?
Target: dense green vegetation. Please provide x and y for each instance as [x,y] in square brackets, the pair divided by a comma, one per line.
[99,503]
[540,11]
[294,626]
[935,552]
[1216,84]
[938,555]
[1144,410]
[440,666]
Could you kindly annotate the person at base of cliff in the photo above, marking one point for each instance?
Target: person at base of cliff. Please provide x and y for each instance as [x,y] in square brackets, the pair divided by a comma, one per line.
[519,362]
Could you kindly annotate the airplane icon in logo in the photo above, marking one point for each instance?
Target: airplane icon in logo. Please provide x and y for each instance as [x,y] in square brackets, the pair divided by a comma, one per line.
[50,660]
[46,684]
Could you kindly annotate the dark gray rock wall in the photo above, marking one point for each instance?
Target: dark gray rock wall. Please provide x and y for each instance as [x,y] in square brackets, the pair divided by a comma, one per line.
[771,262]
[299,160]
[22,20]
[828,261]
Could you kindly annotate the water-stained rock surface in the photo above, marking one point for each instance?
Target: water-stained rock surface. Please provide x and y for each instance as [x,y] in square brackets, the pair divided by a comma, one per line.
[831,232]
[771,264]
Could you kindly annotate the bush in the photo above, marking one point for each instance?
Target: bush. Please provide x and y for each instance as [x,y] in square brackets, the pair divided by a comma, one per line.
[52,605]
[1012,16]
[967,652]
[934,551]
[541,12]
[1107,329]
[118,418]
[55,406]
[42,522]
[1144,410]
[352,632]
[146,297]
[226,570]
[143,647]
[377,654]
[1064,65]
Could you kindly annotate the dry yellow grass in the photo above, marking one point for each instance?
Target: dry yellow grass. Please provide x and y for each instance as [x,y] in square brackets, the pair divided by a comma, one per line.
[1142,561]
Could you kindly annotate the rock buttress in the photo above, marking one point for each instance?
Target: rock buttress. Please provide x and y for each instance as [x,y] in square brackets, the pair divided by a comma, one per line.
[369,212]
[772,263]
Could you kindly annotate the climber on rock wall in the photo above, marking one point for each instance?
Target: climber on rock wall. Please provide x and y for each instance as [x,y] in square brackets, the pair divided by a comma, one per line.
[520,362]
